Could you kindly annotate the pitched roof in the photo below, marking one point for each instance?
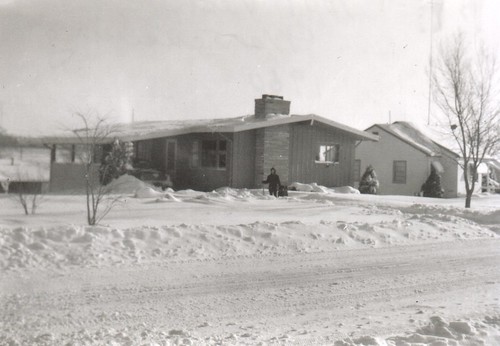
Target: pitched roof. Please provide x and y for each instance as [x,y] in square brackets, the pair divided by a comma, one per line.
[432,141]
[167,128]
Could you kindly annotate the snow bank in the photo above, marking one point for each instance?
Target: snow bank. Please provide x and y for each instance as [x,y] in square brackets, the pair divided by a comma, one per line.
[439,332]
[138,335]
[230,194]
[314,187]
[126,184]
[167,197]
[452,213]
[376,225]
[60,247]
[345,189]
[147,192]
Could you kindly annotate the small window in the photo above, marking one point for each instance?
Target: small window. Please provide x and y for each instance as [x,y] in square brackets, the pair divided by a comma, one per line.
[399,172]
[328,153]
[357,170]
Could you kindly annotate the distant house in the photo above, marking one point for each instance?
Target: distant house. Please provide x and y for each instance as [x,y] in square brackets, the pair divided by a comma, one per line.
[235,152]
[24,165]
[490,182]
[403,157]
[24,169]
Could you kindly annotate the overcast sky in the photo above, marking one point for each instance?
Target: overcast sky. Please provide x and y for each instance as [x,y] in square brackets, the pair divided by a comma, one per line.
[350,61]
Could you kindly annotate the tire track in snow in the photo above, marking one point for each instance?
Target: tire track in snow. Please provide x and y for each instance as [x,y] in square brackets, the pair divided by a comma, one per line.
[333,286]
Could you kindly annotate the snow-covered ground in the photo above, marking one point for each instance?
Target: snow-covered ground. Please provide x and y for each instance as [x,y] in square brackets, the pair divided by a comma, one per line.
[233,267]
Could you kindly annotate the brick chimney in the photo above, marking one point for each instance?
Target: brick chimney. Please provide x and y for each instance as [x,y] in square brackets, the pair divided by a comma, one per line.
[271,104]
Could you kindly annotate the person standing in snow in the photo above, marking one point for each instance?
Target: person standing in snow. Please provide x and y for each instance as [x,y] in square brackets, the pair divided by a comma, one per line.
[274,182]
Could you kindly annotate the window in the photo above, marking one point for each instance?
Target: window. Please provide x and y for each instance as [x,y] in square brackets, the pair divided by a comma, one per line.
[63,153]
[195,154]
[82,154]
[213,153]
[399,172]
[171,144]
[328,153]
[357,170]
[143,151]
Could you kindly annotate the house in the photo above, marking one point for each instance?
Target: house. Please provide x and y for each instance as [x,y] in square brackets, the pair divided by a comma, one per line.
[205,154]
[490,181]
[403,157]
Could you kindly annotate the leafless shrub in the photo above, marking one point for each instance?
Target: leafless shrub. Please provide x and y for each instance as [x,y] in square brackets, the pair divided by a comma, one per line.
[96,132]
[27,195]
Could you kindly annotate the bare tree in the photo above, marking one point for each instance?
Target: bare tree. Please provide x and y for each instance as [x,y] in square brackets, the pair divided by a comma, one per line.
[95,133]
[29,198]
[27,189]
[464,91]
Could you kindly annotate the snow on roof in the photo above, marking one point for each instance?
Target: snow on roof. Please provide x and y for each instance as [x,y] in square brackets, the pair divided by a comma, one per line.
[494,163]
[166,128]
[439,134]
[433,141]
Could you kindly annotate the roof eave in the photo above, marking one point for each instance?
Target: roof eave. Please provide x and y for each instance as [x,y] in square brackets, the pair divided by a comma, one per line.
[358,134]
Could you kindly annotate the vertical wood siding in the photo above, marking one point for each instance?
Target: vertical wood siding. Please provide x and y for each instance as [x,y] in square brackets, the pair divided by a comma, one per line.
[259,156]
[304,145]
[70,176]
[243,159]
[158,153]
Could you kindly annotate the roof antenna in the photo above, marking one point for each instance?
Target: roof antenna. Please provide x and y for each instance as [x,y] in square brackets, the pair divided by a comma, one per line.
[390,121]
[133,115]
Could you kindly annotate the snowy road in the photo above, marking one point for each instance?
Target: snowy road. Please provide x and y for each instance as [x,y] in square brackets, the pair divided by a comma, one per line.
[313,298]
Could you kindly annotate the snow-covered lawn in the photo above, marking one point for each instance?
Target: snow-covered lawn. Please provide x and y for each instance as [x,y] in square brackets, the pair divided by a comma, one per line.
[234,267]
